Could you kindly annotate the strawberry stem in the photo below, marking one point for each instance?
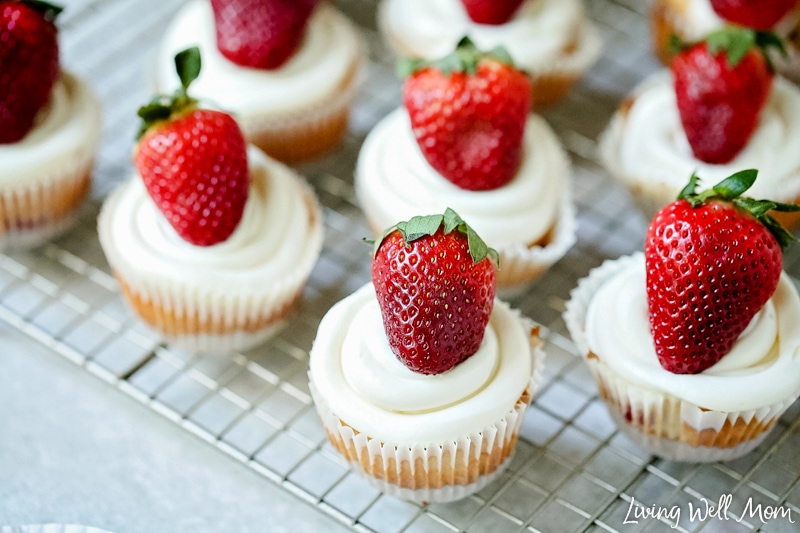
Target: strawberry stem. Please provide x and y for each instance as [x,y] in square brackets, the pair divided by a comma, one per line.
[420,226]
[730,190]
[162,107]
[50,11]
[464,58]
[736,41]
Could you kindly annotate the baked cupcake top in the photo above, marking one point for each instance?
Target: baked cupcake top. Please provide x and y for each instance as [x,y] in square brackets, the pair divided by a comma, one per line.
[317,69]
[762,368]
[279,233]
[66,132]
[538,34]
[355,370]
[396,182]
[646,141]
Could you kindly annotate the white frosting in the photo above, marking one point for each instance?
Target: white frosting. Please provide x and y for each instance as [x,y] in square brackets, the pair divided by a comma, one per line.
[697,20]
[67,130]
[536,36]
[273,240]
[354,369]
[762,368]
[395,182]
[315,72]
[648,143]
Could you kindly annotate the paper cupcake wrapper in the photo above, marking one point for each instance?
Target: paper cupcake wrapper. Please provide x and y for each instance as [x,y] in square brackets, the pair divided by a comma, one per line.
[200,317]
[306,133]
[432,472]
[661,423]
[436,471]
[520,265]
[35,211]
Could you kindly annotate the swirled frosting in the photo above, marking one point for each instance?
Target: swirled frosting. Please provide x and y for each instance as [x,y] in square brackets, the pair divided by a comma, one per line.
[276,238]
[395,182]
[66,132]
[354,369]
[762,368]
[647,143]
[537,34]
[317,69]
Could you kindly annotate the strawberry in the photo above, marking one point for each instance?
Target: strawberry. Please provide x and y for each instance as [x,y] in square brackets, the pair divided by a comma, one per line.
[713,259]
[468,113]
[193,161]
[28,64]
[261,33]
[721,86]
[435,280]
[755,14]
[491,11]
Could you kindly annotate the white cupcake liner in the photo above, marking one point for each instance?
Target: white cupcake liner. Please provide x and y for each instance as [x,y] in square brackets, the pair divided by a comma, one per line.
[383,463]
[207,305]
[471,461]
[661,423]
[520,265]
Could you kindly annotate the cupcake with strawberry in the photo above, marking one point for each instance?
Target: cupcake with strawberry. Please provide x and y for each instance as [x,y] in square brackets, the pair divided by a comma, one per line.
[691,20]
[287,70]
[422,378]
[551,40]
[50,126]
[720,108]
[211,240]
[694,343]
[466,139]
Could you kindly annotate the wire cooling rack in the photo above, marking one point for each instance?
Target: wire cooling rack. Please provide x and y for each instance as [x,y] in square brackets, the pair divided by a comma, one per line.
[572,470]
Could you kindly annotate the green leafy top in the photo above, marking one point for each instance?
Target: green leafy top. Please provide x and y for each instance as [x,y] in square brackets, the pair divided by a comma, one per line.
[735,42]
[730,189]
[464,58]
[421,226]
[162,107]
[50,11]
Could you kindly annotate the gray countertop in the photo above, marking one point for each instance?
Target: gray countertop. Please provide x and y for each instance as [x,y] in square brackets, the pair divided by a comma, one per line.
[75,450]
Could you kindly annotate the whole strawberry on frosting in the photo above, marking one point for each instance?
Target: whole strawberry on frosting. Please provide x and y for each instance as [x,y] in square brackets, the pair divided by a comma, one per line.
[435,280]
[491,11]
[261,34]
[193,161]
[721,86]
[713,259]
[29,64]
[468,112]
[756,14]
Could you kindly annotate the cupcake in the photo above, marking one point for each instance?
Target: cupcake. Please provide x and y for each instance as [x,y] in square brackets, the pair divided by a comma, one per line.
[693,343]
[486,156]
[692,20]
[50,125]
[679,121]
[552,40]
[293,110]
[424,393]
[211,241]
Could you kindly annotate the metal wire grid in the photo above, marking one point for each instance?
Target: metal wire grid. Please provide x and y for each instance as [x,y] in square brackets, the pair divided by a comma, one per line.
[572,470]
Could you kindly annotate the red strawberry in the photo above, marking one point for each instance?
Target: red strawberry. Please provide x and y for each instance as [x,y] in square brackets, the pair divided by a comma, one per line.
[468,113]
[713,259]
[491,11]
[756,14]
[193,162]
[721,86]
[28,64]
[435,280]
[261,33]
